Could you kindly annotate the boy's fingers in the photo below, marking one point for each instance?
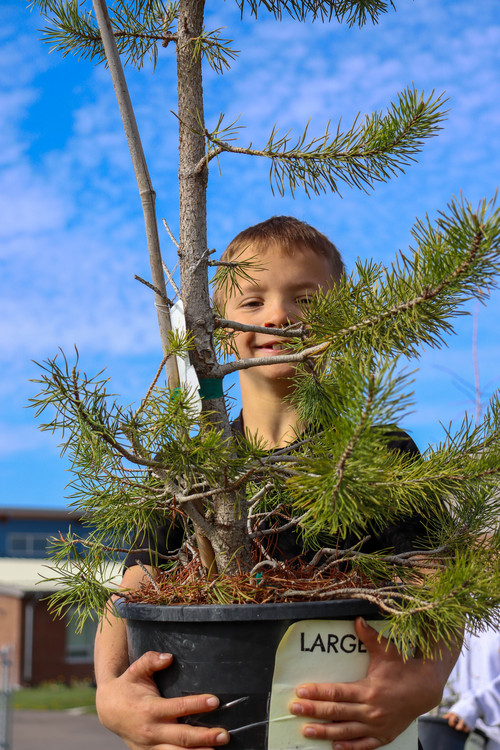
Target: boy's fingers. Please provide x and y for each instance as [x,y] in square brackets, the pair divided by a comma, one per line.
[335,692]
[185,705]
[182,735]
[159,727]
[149,663]
[456,722]
[153,661]
[327,710]
[352,735]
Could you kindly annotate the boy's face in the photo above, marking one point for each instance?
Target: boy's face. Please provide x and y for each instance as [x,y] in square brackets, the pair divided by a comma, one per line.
[273,299]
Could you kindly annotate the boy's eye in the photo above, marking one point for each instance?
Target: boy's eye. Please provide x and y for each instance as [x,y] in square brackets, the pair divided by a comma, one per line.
[251,303]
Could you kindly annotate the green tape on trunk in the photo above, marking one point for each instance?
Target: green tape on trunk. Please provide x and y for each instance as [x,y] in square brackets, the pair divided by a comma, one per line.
[211,388]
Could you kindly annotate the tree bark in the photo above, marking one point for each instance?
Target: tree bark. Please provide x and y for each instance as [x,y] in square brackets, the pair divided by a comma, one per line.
[232,546]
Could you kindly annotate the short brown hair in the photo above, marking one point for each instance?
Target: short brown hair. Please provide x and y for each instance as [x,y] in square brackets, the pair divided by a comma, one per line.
[289,235]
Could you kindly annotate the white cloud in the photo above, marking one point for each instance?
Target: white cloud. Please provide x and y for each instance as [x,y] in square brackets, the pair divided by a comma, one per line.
[16,439]
[29,205]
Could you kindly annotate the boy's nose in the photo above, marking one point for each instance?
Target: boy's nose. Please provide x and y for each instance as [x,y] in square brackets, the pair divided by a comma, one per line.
[278,317]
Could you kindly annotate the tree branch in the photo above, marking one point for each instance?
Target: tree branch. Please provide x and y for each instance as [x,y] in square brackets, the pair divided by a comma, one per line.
[289,332]
[202,524]
[427,294]
[154,288]
[245,364]
[131,35]
[151,387]
[364,154]
[170,234]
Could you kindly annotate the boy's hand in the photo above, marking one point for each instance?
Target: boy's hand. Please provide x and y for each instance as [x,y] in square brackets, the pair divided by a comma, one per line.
[372,712]
[131,706]
[456,721]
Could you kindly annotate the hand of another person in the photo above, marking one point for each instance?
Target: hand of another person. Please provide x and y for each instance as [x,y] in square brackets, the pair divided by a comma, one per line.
[373,711]
[131,706]
[456,721]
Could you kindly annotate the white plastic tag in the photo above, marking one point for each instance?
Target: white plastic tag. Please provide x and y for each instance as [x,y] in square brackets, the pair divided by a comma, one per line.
[317,651]
[187,374]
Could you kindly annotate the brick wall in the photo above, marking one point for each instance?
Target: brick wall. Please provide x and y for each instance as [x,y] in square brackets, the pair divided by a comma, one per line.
[49,650]
[11,630]
[48,654]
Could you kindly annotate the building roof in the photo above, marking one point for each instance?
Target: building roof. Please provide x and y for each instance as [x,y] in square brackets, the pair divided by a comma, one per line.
[56,514]
[20,576]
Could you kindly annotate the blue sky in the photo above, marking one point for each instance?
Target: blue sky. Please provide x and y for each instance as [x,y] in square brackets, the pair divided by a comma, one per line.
[71,224]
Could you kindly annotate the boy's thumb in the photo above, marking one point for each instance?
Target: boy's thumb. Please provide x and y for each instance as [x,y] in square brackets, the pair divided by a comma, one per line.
[368,636]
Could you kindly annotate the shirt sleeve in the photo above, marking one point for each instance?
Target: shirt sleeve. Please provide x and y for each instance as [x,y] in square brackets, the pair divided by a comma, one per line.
[481,704]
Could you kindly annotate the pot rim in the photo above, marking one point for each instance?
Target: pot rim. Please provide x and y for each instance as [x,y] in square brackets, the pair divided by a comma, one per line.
[333,609]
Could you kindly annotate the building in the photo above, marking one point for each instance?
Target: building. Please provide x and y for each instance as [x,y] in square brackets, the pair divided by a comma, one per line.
[44,647]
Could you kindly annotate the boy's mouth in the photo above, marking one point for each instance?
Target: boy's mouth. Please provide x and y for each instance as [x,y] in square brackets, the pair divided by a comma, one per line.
[272,347]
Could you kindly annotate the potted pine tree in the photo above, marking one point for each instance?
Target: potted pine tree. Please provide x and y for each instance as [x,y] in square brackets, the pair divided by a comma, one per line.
[174,459]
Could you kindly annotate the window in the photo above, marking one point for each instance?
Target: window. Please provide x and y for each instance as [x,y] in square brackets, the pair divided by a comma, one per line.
[26,544]
[79,645]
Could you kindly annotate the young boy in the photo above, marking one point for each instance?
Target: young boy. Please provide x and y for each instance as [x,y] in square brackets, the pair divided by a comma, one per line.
[295,260]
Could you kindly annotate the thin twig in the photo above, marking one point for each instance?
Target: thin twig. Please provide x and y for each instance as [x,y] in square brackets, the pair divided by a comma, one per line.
[252,502]
[151,387]
[338,553]
[267,556]
[264,564]
[202,258]
[283,451]
[155,289]
[170,234]
[290,525]
[148,574]
[111,440]
[475,361]
[199,495]
[171,280]
[260,518]
[224,263]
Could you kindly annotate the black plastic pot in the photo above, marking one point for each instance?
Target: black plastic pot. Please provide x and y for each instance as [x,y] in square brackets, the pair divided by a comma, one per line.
[435,733]
[230,651]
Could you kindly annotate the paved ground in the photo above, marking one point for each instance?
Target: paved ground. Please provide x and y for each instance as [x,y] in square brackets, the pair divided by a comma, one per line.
[71,730]
[61,730]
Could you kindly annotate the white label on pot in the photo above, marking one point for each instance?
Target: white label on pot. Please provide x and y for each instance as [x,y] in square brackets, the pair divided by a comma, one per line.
[317,651]
[187,374]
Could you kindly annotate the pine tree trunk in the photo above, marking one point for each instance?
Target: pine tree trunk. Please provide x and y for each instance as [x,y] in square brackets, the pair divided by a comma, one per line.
[230,516]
